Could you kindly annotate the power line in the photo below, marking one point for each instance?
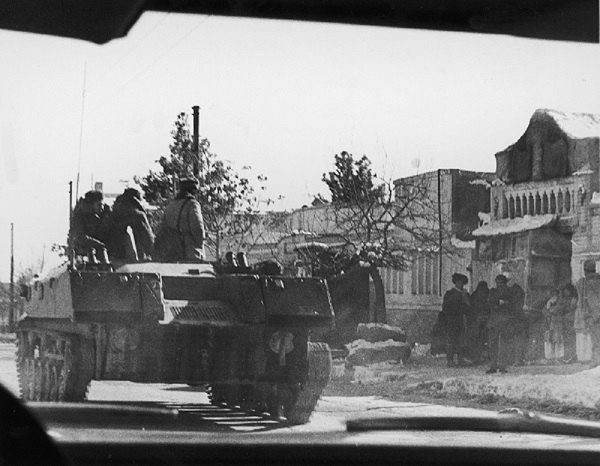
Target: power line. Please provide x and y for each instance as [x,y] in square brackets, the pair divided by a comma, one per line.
[134,47]
[151,64]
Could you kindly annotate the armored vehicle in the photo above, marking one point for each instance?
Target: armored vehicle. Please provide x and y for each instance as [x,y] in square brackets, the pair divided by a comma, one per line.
[243,335]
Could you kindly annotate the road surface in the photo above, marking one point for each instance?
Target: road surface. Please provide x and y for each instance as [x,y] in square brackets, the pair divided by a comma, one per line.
[330,415]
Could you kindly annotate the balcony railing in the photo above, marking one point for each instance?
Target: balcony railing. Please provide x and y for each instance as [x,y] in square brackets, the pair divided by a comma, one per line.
[561,197]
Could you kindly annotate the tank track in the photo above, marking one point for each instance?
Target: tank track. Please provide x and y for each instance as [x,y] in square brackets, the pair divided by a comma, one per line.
[52,366]
[294,402]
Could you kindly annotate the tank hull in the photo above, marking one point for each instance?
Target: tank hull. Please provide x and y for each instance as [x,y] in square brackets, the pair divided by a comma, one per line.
[245,337]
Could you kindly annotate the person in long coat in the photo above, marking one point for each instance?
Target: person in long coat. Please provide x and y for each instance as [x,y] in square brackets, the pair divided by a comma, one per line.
[587,314]
[455,307]
[128,212]
[181,234]
[559,313]
[477,326]
[502,325]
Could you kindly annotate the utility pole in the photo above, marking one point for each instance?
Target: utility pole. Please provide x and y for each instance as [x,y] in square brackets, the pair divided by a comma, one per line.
[195,149]
[11,310]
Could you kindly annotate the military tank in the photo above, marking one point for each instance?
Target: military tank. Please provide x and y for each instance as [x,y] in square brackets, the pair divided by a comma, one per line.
[243,335]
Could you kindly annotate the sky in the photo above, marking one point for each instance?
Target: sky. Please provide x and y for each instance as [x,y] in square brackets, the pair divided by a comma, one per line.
[280,97]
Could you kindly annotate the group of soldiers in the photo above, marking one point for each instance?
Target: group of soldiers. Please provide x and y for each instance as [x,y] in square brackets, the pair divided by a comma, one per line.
[495,318]
[124,234]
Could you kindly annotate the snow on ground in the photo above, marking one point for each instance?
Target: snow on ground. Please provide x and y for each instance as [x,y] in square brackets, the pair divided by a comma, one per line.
[581,388]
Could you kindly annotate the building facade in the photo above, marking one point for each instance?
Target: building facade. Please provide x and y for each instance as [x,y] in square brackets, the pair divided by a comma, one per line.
[414,296]
[545,208]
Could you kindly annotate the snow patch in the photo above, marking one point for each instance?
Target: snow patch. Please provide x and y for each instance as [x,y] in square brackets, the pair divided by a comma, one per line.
[384,326]
[387,371]
[484,218]
[584,171]
[460,244]
[358,344]
[515,225]
[579,389]
[481,182]
[595,198]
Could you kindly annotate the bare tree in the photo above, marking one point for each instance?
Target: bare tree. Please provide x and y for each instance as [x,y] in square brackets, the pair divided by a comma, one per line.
[389,224]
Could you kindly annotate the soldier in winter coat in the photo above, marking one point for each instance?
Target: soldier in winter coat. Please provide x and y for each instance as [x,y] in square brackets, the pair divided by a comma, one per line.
[128,212]
[89,227]
[181,234]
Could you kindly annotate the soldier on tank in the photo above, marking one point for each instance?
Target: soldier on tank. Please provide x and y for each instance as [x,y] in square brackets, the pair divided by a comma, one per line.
[89,228]
[130,235]
[181,234]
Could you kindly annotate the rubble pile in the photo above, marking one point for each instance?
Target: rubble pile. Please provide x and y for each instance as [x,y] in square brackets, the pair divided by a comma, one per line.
[377,343]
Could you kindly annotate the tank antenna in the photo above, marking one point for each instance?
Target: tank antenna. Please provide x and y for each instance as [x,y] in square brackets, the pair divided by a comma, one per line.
[70,249]
[80,132]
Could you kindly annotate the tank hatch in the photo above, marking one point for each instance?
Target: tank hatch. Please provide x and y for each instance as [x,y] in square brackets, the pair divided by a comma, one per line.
[199,313]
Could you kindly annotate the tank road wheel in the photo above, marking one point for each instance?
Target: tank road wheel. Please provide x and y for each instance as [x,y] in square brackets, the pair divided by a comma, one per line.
[52,367]
[217,394]
[79,369]
[301,402]
[246,396]
[25,365]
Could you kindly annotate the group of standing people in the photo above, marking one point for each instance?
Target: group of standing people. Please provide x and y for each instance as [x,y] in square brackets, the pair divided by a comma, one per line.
[486,317]
[572,317]
[124,234]
[495,318]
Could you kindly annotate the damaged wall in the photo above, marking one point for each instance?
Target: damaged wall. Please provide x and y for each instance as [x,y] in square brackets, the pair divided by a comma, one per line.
[555,145]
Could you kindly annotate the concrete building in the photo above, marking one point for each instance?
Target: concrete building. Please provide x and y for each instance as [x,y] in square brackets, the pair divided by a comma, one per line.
[414,296]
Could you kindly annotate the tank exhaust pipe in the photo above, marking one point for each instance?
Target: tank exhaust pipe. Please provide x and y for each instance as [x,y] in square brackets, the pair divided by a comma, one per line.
[195,136]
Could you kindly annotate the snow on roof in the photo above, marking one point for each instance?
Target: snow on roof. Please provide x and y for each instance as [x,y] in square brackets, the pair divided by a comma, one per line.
[576,125]
[482,182]
[311,244]
[515,225]
[460,244]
